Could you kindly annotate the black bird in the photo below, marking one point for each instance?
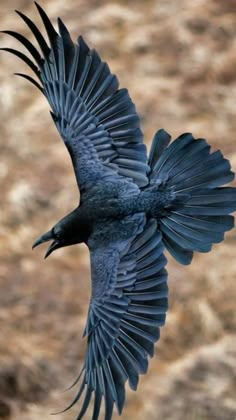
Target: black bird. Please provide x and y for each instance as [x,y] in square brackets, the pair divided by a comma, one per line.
[131,208]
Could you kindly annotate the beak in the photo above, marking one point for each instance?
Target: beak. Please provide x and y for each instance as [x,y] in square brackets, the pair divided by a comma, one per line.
[44,238]
[54,245]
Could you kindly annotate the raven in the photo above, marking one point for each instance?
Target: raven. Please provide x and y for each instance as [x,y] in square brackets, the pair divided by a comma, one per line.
[131,208]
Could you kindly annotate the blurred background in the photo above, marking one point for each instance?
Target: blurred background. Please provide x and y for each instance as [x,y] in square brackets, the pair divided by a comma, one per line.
[178,60]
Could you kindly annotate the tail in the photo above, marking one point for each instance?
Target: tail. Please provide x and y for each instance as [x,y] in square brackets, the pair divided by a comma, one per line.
[200,212]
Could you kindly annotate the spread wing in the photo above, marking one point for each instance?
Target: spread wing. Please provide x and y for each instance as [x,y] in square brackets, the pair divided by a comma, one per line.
[128,305]
[97,121]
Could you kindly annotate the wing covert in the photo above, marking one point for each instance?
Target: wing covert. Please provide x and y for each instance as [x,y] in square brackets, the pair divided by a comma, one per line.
[127,309]
[97,121]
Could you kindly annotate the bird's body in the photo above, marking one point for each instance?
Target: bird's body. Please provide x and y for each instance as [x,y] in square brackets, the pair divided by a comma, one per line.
[113,201]
[131,208]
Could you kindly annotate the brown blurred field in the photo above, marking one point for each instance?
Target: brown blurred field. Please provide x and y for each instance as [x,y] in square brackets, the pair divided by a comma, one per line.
[178,59]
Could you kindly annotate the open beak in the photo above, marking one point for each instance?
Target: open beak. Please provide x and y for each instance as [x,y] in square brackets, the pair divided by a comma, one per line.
[45,238]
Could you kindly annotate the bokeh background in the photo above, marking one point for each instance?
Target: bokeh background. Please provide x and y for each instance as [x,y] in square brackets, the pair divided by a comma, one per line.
[178,59]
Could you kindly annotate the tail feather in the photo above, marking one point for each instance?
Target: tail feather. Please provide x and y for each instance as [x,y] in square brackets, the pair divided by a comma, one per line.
[199,214]
[159,144]
[209,176]
[218,195]
[171,151]
[192,155]
[190,232]
[196,166]
[188,156]
[185,241]
[213,223]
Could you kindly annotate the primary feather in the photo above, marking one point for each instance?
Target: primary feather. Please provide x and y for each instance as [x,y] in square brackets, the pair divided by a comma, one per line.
[130,208]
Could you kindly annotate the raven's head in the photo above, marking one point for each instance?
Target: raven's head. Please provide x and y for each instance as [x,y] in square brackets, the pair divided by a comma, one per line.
[57,241]
[70,230]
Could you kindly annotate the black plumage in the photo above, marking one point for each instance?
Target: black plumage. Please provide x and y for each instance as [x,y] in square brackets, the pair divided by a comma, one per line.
[131,208]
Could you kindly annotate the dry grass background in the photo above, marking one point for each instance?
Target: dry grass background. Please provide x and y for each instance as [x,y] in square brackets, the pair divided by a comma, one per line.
[178,59]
